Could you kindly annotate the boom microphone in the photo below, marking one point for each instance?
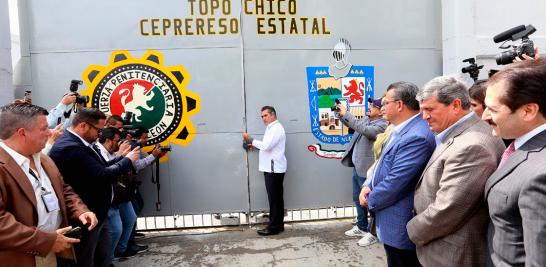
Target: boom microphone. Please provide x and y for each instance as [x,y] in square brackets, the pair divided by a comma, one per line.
[505,35]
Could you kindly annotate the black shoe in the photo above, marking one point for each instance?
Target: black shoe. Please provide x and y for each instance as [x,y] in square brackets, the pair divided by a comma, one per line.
[139,248]
[267,231]
[129,252]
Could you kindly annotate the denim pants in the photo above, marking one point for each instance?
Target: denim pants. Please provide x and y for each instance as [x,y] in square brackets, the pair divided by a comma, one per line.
[361,212]
[122,221]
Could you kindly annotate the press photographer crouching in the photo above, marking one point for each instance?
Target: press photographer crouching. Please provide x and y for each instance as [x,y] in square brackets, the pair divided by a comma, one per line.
[140,139]
[121,215]
[81,164]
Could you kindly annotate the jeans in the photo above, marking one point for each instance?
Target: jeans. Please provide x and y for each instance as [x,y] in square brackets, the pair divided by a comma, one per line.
[128,218]
[361,212]
[121,220]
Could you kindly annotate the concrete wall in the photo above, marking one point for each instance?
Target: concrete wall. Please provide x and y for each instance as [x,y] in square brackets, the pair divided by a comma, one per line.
[6,73]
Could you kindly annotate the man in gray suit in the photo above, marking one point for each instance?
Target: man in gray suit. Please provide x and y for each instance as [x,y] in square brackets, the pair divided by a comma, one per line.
[450,216]
[516,191]
[359,155]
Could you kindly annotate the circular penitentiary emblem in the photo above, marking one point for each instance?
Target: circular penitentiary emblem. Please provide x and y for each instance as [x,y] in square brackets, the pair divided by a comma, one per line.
[154,94]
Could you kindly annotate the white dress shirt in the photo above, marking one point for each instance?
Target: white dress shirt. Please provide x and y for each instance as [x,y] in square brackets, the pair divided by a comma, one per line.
[47,221]
[271,156]
[104,152]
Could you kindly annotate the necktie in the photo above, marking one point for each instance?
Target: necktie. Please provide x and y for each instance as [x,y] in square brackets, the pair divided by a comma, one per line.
[507,153]
[96,149]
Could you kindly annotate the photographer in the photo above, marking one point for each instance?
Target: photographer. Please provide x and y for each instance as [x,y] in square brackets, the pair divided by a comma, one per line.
[140,139]
[58,113]
[92,177]
[121,216]
[359,155]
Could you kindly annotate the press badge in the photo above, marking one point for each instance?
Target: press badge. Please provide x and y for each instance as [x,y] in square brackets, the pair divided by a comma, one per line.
[50,202]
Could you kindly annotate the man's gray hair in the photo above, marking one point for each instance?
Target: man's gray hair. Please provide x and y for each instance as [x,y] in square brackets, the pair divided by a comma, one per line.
[406,92]
[446,89]
[16,116]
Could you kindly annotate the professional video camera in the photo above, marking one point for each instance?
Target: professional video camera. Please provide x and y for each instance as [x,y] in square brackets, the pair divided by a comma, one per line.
[526,47]
[80,99]
[473,69]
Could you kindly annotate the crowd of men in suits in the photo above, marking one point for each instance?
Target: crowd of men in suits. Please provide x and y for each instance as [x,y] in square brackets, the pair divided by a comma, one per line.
[72,183]
[443,189]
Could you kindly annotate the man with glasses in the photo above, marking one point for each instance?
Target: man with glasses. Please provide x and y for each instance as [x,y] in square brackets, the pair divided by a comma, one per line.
[91,176]
[388,192]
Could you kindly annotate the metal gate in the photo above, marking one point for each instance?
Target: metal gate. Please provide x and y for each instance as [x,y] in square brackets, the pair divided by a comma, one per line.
[235,73]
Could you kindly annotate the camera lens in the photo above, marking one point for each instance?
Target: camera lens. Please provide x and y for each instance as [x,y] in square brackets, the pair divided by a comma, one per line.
[506,57]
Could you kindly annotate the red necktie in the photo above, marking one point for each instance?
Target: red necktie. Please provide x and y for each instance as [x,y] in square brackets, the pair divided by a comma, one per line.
[507,153]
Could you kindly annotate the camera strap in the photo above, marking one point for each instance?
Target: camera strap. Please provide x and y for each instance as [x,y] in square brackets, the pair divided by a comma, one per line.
[155,180]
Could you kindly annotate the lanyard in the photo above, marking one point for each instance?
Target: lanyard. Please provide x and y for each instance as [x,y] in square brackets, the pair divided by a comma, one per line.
[37,179]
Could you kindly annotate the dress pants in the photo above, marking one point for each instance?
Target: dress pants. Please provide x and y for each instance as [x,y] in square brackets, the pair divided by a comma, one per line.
[274,187]
[401,257]
[95,247]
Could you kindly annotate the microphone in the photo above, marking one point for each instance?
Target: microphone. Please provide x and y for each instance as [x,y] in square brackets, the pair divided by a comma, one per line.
[505,35]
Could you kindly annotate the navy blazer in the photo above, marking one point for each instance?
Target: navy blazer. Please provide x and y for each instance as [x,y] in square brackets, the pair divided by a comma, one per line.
[90,176]
[398,170]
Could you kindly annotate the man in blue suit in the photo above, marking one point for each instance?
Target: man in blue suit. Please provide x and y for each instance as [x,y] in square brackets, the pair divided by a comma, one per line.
[388,192]
[91,176]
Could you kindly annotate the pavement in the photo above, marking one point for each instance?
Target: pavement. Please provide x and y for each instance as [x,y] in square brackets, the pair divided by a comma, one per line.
[318,243]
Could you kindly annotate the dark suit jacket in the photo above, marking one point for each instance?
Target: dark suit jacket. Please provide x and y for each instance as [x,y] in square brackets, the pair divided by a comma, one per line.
[20,241]
[89,175]
[516,195]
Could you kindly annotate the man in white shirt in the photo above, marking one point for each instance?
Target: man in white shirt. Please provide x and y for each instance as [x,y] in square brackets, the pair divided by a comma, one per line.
[272,162]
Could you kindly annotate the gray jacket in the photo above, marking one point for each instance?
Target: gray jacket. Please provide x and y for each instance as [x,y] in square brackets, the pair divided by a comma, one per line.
[366,131]
[516,195]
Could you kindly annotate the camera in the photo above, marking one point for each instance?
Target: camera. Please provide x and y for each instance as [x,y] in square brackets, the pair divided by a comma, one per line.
[526,46]
[334,108]
[165,148]
[128,128]
[80,99]
[473,69]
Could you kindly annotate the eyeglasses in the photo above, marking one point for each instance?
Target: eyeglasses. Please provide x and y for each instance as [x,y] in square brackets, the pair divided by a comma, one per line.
[385,102]
[99,130]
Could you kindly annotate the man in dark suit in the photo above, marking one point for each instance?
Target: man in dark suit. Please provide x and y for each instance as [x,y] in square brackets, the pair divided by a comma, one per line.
[516,191]
[34,200]
[92,177]
[388,193]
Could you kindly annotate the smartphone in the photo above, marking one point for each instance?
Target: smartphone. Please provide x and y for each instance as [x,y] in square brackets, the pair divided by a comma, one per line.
[75,232]
[28,96]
